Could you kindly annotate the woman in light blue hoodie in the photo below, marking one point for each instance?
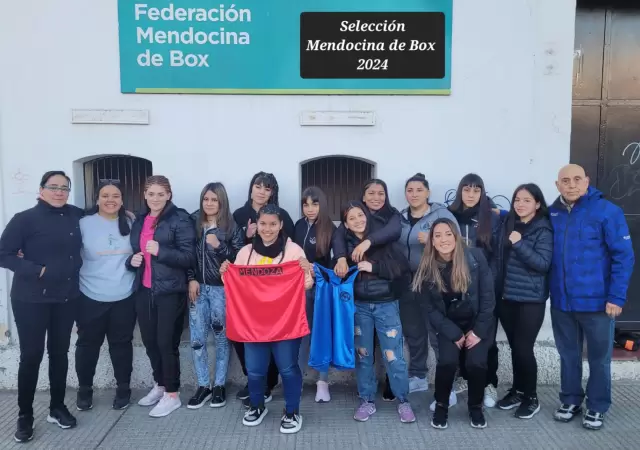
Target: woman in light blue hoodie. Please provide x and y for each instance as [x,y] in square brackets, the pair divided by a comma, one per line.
[416,223]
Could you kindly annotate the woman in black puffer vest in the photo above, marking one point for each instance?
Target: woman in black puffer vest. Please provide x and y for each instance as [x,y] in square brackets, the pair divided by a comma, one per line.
[522,262]
[163,241]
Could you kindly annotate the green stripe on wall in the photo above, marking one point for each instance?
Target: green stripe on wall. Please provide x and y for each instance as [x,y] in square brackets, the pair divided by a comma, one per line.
[295,91]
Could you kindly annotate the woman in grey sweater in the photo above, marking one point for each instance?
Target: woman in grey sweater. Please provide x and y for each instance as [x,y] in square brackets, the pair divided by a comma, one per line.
[106,306]
[417,220]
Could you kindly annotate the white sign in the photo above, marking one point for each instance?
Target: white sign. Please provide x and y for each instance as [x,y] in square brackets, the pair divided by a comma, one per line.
[110,116]
[338,118]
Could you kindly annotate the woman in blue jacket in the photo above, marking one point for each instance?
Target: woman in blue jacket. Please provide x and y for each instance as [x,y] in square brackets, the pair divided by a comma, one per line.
[523,259]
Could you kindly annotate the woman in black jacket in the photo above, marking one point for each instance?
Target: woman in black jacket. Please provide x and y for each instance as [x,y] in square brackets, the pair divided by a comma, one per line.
[41,246]
[163,242]
[385,227]
[456,284]
[523,260]
[479,225]
[313,233]
[263,190]
[383,275]
[219,240]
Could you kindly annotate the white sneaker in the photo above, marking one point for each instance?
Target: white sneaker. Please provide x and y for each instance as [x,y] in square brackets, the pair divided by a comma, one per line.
[322,392]
[453,401]
[418,384]
[460,385]
[153,397]
[490,396]
[290,423]
[166,405]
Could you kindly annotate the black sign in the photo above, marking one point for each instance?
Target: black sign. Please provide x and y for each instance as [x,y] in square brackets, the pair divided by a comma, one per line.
[372,45]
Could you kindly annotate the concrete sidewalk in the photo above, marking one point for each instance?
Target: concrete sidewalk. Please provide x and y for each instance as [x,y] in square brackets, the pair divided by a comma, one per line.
[325,426]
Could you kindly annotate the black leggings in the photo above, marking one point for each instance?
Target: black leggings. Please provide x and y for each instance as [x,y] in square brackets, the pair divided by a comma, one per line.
[521,323]
[474,362]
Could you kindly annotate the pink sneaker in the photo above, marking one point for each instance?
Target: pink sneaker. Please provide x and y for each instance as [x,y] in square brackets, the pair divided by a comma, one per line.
[364,411]
[406,413]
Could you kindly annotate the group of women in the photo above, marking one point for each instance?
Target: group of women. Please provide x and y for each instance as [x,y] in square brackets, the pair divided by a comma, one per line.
[431,274]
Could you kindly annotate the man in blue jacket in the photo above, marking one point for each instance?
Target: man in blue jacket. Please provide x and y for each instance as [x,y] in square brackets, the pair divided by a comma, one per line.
[590,272]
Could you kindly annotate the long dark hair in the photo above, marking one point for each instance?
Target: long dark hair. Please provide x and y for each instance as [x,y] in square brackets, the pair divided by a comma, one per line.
[538,197]
[268,180]
[224,219]
[387,210]
[123,221]
[388,252]
[323,223]
[485,222]
[351,205]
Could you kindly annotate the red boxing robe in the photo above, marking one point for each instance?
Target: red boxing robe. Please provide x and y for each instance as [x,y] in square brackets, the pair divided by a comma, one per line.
[265,303]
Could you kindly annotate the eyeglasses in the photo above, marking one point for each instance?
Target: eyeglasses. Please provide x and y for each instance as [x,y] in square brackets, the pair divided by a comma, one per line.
[63,189]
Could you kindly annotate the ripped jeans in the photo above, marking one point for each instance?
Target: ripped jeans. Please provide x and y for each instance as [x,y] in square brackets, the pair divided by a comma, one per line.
[209,312]
[382,318]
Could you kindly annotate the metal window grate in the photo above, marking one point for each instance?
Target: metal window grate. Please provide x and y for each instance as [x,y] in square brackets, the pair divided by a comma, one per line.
[130,170]
[340,177]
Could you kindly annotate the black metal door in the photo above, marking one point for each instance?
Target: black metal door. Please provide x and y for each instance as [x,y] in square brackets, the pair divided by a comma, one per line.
[606,118]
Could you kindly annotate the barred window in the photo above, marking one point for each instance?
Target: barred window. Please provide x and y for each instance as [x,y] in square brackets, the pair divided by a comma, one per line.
[340,177]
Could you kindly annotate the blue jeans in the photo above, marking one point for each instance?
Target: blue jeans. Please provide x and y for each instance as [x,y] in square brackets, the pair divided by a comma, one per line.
[383,319]
[257,356]
[209,311]
[569,331]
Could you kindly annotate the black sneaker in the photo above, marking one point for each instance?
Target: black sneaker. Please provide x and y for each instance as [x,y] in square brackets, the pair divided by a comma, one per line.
[243,393]
[24,433]
[199,398]
[290,423]
[122,398]
[513,399]
[62,417]
[528,408]
[254,416]
[219,397]
[566,413]
[476,414]
[388,395]
[84,400]
[247,401]
[440,417]
[593,420]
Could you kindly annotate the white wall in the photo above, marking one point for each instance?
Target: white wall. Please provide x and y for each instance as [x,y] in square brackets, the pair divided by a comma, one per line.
[508,118]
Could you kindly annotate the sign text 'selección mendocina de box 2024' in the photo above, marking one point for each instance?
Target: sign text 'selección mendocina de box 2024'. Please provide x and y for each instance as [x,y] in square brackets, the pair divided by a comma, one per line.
[286,47]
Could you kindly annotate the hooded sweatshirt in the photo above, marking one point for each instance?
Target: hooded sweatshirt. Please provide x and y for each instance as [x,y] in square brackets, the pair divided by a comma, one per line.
[411,246]
[244,214]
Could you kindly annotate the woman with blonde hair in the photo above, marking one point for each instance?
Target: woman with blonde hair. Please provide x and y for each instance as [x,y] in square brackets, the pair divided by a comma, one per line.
[456,284]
